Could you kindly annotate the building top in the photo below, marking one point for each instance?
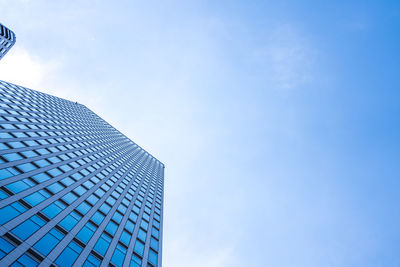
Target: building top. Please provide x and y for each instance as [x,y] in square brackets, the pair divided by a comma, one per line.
[7,40]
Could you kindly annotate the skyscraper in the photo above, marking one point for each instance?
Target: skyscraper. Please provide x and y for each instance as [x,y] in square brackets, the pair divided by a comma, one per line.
[7,40]
[73,190]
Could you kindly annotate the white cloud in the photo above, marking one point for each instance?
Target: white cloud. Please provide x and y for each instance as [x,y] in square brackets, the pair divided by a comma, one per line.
[22,68]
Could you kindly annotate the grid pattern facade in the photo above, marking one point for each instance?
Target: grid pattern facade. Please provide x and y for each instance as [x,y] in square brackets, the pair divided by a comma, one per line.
[74,191]
[7,40]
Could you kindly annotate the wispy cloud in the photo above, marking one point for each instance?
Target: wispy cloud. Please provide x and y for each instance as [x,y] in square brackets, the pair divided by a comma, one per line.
[21,67]
[287,58]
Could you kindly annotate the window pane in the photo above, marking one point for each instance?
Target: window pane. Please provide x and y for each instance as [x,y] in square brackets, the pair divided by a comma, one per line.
[139,247]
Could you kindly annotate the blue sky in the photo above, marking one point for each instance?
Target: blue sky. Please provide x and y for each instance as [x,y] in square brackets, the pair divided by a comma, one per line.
[278,121]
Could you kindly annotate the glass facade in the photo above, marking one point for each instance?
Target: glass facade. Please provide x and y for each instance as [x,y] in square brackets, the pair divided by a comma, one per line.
[74,191]
[7,40]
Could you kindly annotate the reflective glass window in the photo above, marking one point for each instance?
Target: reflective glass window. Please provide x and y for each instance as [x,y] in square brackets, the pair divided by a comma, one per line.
[139,247]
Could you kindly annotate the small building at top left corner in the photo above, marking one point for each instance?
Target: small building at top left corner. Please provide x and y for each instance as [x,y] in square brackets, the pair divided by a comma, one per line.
[7,40]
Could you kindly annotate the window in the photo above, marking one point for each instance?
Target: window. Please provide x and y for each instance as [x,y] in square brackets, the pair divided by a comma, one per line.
[135,261]
[105,208]
[27,228]
[119,255]
[11,156]
[156,224]
[97,218]
[142,235]
[69,255]
[139,247]
[111,228]
[10,212]
[153,257]
[146,217]
[69,197]
[55,188]
[144,224]
[41,177]
[86,232]
[133,217]
[5,173]
[102,244]
[117,217]
[129,226]
[83,208]
[125,237]
[70,221]
[154,243]
[37,197]
[49,241]
[19,186]
[92,199]
[5,247]
[27,167]
[92,261]
[26,260]
[53,209]
[155,232]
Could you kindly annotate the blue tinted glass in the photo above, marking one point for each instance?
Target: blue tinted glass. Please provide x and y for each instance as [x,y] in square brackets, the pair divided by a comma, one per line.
[42,163]
[41,177]
[111,228]
[69,198]
[29,154]
[52,210]
[25,229]
[118,257]
[86,232]
[3,195]
[136,209]
[146,217]
[117,217]
[54,172]
[68,181]
[7,213]
[18,186]
[105,208]
[69,222]
[18,207]
[139,247]
[27,167]
[5,247]
[12,156]
[46,244]
[55,188]
[34,198]
[25,260]
[92,261]
[155,223]
[102,244]
[135,262]
[153,257]
[144,224]
[83,208]
[92,199]
[4,173]
[142,235]
[154,244]
[129,226]
[155,232]
[133,217]
[125,237]
[97,218]
[67,257]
